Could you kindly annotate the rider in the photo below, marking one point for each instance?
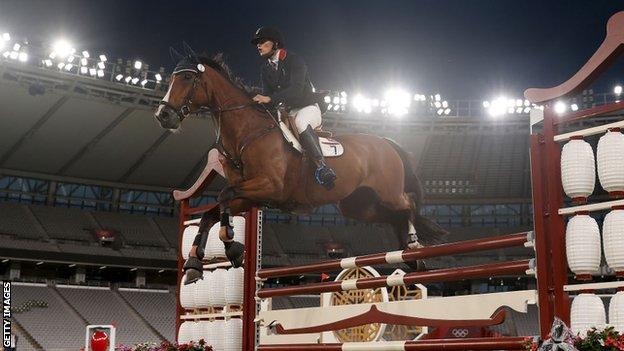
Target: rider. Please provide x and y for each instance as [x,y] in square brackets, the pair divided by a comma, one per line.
[286,81]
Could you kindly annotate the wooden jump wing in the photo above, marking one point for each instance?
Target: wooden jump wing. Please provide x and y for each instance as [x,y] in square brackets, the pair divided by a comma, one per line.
[602,59]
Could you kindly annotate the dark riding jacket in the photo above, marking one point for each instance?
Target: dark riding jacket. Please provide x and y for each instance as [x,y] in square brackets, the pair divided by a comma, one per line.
[290,83]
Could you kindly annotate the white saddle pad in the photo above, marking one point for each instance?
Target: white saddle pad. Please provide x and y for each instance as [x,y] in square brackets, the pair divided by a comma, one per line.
[329,147]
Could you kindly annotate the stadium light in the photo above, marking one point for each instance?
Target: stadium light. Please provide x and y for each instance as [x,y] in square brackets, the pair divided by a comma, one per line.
[143,83]
[101,65]
[497,107]
[16,47]
[100,73]
[447,111]
[437,97]
[47,62]
[62,48]
[617,90]
[119,77]
[6,36]
[68,67]
[343,94]
[574,107]
[85,54]
[92,72]
[336,100]
[135,80]
[70,59]
[128,79]
[486,104]
[23,57]
[361,103]
[158,77]
[84,61]
[560,107]
[60,65]
[336,107]
[103,58]
[138,64]
[6,54]
[327,99]
[14,55]
[398,102]
[84,70]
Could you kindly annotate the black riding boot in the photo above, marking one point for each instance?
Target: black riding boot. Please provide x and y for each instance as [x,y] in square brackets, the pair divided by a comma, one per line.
[324,174]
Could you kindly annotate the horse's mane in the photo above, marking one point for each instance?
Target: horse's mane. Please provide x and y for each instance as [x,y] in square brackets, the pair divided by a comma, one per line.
[217,63]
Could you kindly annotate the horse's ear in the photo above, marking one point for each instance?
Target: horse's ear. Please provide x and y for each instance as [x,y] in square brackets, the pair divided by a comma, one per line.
[175,55]
[188,51]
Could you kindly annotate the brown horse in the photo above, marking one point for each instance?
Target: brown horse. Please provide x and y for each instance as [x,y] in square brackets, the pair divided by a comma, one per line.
[376,182]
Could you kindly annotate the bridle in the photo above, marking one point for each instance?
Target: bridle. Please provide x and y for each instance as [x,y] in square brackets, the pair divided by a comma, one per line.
[185,110]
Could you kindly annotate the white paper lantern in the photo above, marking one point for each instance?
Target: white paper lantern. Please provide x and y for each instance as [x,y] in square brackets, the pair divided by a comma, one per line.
[186,331]
[214,245]
[217,288]
[613,240]
[233,335]
[587,311]
[201,330]
[583,246]
[578,169]
[216,335]
[238,223]
[234,286]
[611,161]
[202,291]
[187,294]
[188,236]
[616,311]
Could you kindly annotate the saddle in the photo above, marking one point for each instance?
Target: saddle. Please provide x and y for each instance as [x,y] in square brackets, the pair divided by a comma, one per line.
[329,146]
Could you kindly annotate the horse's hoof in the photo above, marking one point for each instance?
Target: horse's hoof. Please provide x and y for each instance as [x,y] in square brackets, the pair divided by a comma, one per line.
[194,270]
[235,252]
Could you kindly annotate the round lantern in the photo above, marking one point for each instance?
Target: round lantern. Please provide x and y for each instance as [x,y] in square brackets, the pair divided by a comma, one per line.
[234,286]
[216,288]
[214,245]
[613,240]
[188,236]
[578,170]
[186,331]
[216,335]
[187,294]
[200,330]
[99,341]
[610,156]
[238,224]
[202,291]
[583,246]
[233,335]
[588,311]
[616,311]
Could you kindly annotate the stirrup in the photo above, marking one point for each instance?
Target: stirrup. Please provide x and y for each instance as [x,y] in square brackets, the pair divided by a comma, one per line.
[329,175]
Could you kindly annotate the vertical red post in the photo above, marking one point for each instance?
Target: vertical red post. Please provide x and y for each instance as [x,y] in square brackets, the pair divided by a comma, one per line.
[253,242]
[184,205]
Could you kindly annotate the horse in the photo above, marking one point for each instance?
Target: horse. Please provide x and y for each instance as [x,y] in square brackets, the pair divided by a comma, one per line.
[376,180]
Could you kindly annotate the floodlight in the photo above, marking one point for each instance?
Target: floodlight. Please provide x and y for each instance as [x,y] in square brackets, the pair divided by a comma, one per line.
[519,109]
[437,97]
[92,72]
[60,65]
[510,110]
[84,61]
[23,57]
[445,104]
[440,112]
[336,100]
[119,77]
[527,109]
[62,48]
[158,77]
[497,107]
[343,100]
[6,36]
[398,102]
[343,94]
[84,70]
[447,111]
[360,103]
[143,82]
[560,107]
[138,64]
[327,99]
[100,73]
[47,62]
[527,103]
[574,107]
[437,104]
[101,65]
[85,54]
[336,107]
[486,104]
[128,79]
[519,102]
[617,90]
[68,67]
[70,59]
[14,55]
[16,47]
[375,102]
[103,58]
[6,54]
[135,80]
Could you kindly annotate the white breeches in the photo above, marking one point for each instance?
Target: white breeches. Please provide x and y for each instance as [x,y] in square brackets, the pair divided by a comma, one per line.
[306,116]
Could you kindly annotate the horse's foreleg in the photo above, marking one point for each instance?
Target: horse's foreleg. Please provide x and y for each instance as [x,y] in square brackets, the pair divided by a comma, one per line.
[193,266]
[239,198]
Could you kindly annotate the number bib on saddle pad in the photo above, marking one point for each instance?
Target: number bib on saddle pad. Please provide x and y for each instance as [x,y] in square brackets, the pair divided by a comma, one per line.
[330,147]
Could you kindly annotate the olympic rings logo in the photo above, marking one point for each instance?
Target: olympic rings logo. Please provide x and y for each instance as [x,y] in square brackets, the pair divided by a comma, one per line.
[460,333]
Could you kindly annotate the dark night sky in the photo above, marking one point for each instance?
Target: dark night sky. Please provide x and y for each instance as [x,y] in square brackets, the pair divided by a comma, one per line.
[461,48]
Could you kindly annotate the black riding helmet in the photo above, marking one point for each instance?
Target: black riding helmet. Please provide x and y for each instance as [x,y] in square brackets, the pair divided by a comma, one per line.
[268,33]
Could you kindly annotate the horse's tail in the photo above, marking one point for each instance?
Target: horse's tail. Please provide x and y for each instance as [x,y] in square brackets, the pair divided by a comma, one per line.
[429,232]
